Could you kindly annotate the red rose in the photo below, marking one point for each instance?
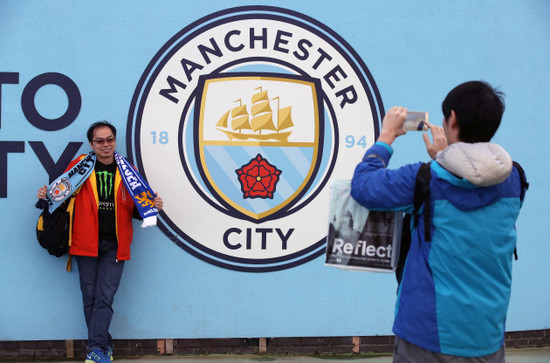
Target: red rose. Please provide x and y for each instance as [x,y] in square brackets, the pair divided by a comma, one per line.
[258,178]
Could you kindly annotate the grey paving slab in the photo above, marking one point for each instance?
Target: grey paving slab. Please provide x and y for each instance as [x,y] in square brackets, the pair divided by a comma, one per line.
[253,359]
[525,355]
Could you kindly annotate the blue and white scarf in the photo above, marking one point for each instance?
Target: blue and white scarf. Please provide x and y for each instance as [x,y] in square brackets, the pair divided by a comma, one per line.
[68,183]
[140,191]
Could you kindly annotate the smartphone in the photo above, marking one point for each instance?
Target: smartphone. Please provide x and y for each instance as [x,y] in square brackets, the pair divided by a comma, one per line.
[416,121]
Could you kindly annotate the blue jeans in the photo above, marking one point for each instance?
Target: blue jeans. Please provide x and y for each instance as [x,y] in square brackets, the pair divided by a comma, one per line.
[99,280]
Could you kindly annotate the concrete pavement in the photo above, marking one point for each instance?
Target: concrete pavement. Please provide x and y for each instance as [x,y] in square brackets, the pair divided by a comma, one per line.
[523,355]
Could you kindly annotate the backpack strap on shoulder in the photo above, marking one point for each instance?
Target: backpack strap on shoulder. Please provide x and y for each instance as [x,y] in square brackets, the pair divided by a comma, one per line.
[422,197]
[421,194]
[524,183]
[524,187]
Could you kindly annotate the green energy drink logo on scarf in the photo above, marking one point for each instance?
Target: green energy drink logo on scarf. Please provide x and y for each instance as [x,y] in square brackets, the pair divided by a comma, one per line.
[241,121]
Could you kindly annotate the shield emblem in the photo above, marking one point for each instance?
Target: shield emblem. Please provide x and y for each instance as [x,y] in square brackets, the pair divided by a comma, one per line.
[259,140]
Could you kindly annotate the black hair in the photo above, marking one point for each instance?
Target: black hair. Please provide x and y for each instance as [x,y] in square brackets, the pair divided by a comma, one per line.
[95,125]
[478,108]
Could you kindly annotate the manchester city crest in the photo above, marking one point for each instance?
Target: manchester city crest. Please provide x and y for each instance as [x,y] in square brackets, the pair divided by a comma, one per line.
[259,140]
[240,121]
[60,189]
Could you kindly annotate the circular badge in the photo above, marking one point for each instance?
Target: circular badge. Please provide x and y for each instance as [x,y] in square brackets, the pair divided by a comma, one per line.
[240,122]
[60,189]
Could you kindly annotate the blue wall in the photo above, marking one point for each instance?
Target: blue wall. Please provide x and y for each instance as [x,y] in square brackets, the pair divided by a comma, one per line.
[415,51]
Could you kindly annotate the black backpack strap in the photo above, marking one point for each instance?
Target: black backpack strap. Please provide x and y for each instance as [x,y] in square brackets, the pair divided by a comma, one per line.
[422,196]
[524,187]
[524,183]
[404,247]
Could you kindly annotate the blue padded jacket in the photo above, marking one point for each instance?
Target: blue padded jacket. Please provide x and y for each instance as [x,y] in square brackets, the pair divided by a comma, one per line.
[455,290]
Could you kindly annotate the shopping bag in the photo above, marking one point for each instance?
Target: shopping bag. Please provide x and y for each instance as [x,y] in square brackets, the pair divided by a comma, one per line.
[360,239]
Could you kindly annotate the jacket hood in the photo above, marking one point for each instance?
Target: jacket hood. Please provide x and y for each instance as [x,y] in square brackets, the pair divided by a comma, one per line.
[482,164]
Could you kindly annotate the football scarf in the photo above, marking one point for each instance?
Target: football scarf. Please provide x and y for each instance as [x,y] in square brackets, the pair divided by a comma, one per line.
[68,183]
[65,186]
[140,191]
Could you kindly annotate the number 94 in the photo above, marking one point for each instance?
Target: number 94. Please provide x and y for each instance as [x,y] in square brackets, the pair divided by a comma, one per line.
[351,142]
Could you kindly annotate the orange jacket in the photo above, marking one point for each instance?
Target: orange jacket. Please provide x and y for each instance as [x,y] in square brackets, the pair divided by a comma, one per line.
[85,233]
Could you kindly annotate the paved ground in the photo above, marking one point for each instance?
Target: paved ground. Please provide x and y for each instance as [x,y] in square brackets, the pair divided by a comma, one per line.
[525,355]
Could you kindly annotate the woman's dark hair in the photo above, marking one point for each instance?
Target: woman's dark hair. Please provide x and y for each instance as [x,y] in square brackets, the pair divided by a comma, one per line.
[95,125]
[478,108]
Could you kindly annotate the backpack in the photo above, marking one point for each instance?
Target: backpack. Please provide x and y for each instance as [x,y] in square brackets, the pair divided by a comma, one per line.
[53,230]
[422,194]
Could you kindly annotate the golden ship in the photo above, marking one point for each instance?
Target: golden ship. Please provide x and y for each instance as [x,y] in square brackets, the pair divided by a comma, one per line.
[258,124]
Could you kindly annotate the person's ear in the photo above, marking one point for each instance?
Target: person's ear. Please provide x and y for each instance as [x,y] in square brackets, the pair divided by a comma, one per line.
[453,124]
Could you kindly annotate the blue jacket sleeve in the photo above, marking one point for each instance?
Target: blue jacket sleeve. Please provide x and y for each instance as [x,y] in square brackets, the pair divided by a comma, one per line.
[377,188]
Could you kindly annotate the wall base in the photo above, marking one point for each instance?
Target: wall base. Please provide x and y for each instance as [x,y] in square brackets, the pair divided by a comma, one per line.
[76,349]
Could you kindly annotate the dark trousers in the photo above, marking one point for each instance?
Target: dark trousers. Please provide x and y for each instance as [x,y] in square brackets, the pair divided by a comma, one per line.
[99,280]
[405,352]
